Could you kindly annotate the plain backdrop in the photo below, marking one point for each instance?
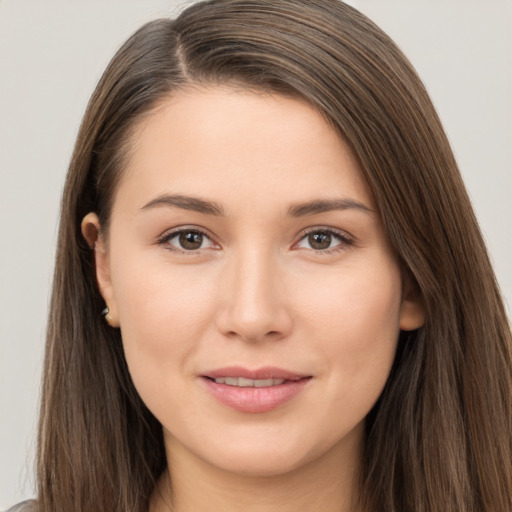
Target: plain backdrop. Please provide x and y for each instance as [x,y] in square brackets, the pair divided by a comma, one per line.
[52,54]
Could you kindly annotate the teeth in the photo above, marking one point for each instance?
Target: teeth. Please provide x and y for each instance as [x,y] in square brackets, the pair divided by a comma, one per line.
[248,383]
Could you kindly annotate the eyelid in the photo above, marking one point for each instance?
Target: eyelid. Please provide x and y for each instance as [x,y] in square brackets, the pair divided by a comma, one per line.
[345,239]
[172,233]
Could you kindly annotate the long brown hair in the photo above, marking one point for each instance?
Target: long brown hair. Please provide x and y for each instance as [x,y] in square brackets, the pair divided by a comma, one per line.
[439,437]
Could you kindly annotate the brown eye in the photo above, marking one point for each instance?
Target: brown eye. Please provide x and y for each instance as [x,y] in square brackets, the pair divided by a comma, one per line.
[319,240]
[325,241]
[186,240]
[190,240]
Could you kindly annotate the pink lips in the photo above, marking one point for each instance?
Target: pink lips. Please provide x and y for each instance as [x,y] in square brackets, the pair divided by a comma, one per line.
[255,399]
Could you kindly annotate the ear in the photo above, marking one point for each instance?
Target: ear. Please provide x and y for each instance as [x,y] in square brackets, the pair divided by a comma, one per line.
[412,312]
[91,231]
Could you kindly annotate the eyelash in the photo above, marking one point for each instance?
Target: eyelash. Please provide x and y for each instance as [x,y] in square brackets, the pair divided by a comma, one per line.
[344,239]
[165,239]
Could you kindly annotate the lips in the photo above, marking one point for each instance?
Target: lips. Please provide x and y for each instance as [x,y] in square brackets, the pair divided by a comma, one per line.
[254,391]
[242,382]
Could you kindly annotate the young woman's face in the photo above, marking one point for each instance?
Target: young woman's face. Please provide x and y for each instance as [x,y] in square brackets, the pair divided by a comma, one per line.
[246,265]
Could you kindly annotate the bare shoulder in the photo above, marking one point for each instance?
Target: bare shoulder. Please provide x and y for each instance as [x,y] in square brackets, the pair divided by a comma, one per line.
[25,506]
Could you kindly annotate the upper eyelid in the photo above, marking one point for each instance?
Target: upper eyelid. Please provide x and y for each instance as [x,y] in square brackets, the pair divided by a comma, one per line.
[335,231]
[343,235]
[170,233]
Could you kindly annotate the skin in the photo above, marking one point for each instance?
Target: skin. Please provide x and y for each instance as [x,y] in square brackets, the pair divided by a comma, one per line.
[258,292]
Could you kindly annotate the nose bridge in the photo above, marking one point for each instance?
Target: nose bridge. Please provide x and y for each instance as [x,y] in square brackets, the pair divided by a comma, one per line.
[255,306]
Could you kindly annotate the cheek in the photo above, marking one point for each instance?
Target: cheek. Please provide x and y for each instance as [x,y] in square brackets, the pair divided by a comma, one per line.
[163,318]
[360,303]
[357,318]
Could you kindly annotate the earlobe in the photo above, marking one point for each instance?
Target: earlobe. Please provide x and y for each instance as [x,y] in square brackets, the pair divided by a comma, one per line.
[91,231]
[412,312]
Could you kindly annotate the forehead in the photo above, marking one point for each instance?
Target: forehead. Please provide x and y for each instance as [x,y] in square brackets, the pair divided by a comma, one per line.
[228,143]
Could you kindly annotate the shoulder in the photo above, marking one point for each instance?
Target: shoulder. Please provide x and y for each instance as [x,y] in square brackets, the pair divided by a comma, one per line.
[25,506]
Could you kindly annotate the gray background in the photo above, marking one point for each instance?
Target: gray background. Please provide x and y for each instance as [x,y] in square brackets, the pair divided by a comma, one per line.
[51,56]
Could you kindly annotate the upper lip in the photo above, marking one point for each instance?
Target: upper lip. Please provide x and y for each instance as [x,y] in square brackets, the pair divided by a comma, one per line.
[267,372]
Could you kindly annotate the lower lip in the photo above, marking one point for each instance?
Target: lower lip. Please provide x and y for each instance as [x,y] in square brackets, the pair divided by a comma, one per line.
[256,400]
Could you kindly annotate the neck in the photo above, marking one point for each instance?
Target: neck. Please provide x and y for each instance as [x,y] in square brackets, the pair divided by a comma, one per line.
[330,484]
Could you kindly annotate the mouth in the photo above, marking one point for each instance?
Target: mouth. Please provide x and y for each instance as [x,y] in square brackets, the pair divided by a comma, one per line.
[255,391]
[242,382]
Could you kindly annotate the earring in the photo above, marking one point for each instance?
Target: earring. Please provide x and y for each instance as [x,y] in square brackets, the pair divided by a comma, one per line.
[106,314]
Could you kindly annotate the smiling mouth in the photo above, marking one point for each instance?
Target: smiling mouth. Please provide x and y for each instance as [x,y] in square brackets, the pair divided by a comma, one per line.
[255,395]
[264,377]
[242,382]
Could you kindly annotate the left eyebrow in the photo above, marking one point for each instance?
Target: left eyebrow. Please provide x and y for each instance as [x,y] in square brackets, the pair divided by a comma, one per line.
[326,205]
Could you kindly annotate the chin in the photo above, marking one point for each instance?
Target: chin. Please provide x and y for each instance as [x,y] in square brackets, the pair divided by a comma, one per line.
[269,457]
[262,465]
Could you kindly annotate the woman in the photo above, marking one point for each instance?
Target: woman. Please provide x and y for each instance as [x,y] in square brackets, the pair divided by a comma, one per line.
[299,311]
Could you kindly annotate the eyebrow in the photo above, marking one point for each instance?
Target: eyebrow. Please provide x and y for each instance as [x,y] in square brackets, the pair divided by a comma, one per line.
[187,203]
[326,205]
[212,208]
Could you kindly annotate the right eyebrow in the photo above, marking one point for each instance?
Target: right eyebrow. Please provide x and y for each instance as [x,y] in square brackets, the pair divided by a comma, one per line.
[187,203]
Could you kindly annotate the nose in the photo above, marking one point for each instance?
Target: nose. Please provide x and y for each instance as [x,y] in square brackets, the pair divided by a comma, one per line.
[254,303]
